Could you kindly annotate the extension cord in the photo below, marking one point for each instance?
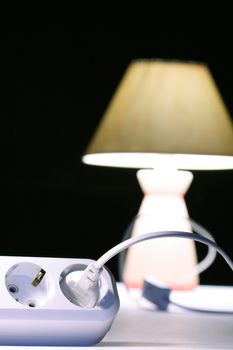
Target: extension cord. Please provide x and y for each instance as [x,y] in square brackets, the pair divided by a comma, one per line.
[40,298]
[36,307]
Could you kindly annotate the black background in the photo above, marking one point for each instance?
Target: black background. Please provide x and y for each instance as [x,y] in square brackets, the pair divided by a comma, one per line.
[59,69]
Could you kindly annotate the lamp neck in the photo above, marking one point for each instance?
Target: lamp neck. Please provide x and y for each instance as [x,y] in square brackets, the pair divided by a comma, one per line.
[164,181]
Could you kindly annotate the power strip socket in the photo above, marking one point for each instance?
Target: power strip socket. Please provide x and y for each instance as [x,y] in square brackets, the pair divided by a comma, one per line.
[36,307]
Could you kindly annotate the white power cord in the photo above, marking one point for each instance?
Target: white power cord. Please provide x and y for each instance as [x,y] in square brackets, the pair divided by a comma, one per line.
[208,259]
[85,288]
[201,266]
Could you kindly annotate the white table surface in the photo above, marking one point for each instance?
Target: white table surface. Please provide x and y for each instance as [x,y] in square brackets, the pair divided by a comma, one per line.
[138,326]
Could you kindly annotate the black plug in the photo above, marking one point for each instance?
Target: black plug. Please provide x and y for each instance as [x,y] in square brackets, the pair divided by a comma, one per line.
[156,294]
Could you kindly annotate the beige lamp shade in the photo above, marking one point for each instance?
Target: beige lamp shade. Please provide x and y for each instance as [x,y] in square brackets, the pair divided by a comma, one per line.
[164,113]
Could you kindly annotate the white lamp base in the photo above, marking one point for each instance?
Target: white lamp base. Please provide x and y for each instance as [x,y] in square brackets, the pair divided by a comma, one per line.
[163,208]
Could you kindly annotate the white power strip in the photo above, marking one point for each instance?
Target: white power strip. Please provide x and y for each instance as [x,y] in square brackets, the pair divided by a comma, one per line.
[37,309]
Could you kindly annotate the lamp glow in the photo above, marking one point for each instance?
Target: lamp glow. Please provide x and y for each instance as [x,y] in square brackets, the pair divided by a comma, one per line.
[156,161]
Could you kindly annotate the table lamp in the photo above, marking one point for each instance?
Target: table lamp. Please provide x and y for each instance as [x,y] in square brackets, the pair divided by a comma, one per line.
[166,118]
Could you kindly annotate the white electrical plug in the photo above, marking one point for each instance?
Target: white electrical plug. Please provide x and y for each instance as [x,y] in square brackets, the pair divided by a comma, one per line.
[85,286]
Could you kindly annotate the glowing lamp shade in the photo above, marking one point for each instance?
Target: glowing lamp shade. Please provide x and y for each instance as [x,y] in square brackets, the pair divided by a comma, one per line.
[165,116]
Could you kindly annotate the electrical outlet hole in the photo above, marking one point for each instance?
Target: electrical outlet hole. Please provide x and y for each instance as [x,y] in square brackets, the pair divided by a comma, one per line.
[31,303]
[13,288]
